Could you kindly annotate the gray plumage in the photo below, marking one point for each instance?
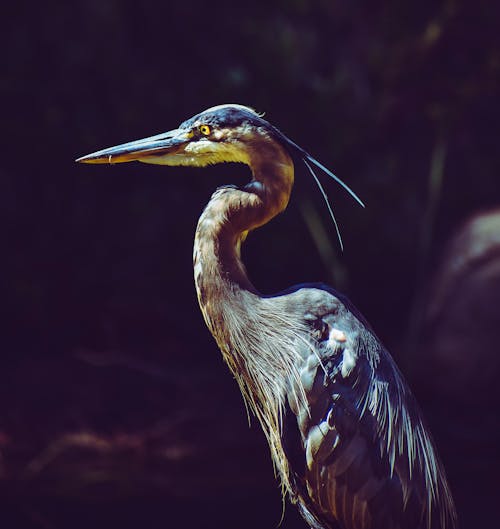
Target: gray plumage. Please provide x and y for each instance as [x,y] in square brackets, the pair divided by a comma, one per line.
[346,436]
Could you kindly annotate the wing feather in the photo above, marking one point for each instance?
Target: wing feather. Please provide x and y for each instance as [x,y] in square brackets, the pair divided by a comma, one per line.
[370,460]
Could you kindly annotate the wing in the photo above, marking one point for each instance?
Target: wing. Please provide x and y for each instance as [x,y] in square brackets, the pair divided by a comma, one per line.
[359,453]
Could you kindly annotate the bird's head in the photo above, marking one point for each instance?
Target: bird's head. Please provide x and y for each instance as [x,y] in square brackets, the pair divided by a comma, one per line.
[225,133]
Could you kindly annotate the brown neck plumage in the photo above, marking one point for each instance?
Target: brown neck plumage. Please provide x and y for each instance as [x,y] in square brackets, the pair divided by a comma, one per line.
[255,338]
[227,219]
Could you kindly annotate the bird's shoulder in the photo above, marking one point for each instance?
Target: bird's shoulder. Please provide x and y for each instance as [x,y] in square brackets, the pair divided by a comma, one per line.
[314,301]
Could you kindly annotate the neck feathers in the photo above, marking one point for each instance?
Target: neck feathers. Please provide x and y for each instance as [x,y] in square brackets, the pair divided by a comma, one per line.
[245,327]
[229,216]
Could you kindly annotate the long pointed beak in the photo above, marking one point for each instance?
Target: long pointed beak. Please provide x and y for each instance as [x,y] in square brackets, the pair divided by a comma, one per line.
[166,145]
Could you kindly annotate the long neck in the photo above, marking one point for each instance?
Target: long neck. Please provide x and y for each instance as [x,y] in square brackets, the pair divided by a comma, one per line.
[224,224]
[255,338]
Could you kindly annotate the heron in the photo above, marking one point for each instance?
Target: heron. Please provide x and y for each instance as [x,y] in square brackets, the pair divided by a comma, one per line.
[348,441]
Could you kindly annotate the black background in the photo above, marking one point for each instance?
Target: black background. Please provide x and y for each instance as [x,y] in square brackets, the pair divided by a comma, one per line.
[116,409]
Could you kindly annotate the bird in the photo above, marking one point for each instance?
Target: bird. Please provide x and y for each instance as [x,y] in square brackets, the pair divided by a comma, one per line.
[348,441]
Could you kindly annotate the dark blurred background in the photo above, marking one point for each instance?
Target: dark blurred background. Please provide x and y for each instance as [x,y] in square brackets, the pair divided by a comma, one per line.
[115,407]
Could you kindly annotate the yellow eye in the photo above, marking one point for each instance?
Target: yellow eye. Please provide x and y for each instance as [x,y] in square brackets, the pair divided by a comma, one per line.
[204,129]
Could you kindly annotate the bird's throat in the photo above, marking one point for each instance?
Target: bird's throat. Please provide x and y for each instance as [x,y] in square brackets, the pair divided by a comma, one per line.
[220,276]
